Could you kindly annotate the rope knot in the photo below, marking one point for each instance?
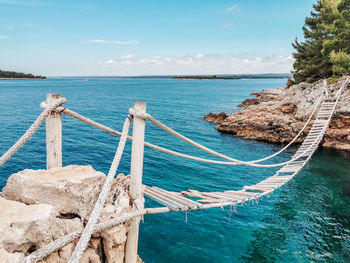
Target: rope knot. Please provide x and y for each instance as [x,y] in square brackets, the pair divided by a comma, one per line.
[55,106]
[134,113]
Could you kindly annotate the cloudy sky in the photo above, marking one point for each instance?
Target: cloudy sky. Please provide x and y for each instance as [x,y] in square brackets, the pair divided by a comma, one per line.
[70,38]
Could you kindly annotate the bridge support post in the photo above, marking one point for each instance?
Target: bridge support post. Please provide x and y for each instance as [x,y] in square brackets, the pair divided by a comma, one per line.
[53,135]
[137,148]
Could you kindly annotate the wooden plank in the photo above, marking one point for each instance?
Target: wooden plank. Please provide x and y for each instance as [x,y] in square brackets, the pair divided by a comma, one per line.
[161,200]
[185,201]
[240,196]
[241,192]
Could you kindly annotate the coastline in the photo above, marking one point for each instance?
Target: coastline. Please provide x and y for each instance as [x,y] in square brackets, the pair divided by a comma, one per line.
[277,115]
[22,78]
[203,78]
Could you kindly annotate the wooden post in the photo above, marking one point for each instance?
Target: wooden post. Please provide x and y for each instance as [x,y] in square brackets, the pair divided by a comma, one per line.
[138,139]
[53,135]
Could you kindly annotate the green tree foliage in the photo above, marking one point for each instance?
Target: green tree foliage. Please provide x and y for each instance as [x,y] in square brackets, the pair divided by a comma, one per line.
[13,74]
[339,46]
[326,48]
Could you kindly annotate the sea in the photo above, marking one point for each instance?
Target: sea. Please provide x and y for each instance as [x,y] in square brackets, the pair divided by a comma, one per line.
[307,220]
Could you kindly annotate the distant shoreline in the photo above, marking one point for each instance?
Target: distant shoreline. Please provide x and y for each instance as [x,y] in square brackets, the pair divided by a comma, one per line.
[21,78]
[205,78]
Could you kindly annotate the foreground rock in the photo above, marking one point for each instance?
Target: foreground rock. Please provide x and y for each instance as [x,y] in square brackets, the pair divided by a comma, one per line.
[278,115]
[42,205]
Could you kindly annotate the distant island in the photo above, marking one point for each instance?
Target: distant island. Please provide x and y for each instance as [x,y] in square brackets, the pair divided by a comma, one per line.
[232,77]
[202,77]
[18,75]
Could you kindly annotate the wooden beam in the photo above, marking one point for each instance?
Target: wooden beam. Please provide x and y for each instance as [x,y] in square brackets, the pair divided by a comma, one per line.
[137,148]
[53,135]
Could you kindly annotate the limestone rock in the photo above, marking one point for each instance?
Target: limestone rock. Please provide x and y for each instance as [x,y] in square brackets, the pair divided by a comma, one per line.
[278,115]
[24,228]
[216,118]
[71,189]
[43,205]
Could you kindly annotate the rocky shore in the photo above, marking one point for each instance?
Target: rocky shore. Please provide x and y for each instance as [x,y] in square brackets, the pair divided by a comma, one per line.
[39,206]
[277,115]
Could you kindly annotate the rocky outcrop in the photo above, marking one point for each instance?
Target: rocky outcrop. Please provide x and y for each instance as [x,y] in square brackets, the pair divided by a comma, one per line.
[216,118]
[42,205]
[278,115]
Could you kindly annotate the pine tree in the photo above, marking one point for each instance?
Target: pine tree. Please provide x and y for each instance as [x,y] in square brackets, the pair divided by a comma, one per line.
[339,46]
[312,62]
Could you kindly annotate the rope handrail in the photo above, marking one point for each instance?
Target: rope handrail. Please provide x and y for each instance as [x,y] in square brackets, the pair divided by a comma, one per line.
[31,130]
[165,150]
[156,147]
[204,148]
[93,227]
[180,136]
[97,210]
[337,95]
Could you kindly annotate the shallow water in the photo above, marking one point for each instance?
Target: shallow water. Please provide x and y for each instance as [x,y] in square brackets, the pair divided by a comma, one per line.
[308,220]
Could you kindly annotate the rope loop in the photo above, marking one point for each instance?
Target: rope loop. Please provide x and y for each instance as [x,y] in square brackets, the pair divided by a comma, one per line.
[140,115]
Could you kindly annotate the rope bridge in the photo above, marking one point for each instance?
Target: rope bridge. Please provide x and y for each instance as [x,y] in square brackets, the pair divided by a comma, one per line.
[188,199]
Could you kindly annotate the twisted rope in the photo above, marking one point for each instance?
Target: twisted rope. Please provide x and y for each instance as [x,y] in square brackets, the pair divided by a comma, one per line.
[31,131]
[148,117]
[64,240]
[96,212]
[41,253]
[168,151]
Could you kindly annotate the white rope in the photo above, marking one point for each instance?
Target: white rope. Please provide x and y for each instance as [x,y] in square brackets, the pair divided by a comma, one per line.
[233,161]
[55,245]
[156,147]
[337,96]
[201,147]
[294,139]
[96,212]
[64,240]
[31,131]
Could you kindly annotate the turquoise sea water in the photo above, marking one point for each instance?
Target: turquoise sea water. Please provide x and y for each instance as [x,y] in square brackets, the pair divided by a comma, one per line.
[307,220]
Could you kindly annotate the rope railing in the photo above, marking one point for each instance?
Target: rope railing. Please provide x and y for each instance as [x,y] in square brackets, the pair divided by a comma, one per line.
[233,161]
[159,148]
[31,131]
[92,224]
[204,148]
[56,106]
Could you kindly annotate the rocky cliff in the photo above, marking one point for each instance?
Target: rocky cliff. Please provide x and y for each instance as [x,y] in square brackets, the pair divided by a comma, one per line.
[277,115]
[38,206]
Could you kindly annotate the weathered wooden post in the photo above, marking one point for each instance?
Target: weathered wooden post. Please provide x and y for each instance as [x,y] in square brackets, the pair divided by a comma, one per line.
[53,135]
[138,138]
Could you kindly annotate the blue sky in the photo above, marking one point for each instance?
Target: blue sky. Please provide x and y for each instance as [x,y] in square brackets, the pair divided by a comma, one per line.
[69,38]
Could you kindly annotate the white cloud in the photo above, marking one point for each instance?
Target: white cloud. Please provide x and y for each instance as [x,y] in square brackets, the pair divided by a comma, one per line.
[228,25]
[127,57]
[231,8]
[4,37]
[196,64]
[117,42]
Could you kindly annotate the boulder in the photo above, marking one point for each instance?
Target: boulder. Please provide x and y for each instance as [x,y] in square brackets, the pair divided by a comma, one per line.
[25,228]
[71,189]
[216,118]
[46,204]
